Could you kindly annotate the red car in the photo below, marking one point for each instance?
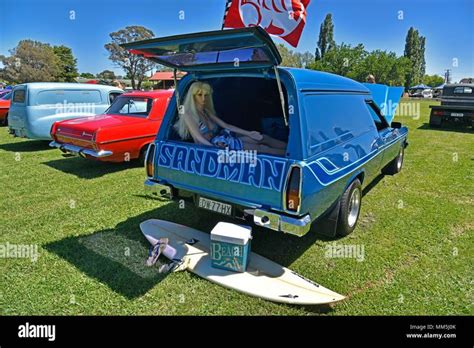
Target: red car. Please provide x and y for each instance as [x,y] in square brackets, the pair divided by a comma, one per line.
[4,107]
[121,134]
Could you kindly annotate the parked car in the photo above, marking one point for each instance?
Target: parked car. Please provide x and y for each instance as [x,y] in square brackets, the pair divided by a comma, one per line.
[4,108]
[36,106]
[337,139]
[122,133]
[427,93]
[457,106]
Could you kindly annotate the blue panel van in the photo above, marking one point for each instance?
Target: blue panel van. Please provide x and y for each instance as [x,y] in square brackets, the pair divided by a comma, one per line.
[335,132]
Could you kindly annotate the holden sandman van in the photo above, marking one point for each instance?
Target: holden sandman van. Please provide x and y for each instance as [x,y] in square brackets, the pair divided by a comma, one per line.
[36,106]
[337,133]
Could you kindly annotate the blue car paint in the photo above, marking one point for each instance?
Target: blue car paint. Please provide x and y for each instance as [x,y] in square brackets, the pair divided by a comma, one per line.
[331,155]
[34,117]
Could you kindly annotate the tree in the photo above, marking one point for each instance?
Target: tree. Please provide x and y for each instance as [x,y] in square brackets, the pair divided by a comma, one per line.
[342,59]
[106,75]
[67,64]
[387,68]
[326,37]
[136,67]
[415,52]
[31,61]
[87,75]
[433,80]
[289,58]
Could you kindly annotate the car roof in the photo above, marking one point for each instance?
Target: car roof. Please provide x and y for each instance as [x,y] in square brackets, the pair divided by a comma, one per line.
[152,94]
[460,85]
[66,85]
[307,79]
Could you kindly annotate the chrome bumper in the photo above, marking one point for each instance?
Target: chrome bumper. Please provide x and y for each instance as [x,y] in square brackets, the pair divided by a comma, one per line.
[158,189]
[274,221]
[295,226]
[80,150]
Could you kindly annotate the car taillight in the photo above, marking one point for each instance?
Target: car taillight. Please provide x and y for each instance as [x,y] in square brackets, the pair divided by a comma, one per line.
[293,194]
[150,168]
[437,113]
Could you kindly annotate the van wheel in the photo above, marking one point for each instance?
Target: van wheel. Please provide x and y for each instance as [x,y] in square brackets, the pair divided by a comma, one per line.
[5,121]
[350,208]
[395,166]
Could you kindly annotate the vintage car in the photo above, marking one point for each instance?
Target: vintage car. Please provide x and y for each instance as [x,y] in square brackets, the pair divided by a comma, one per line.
[457,106]
[4,108]
[121,134]
[36,106]
[337,138]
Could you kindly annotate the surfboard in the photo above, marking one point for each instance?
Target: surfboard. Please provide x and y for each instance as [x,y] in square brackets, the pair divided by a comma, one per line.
[264,278]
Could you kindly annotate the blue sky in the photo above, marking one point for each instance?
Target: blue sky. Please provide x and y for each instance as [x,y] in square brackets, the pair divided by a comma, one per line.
[448,26]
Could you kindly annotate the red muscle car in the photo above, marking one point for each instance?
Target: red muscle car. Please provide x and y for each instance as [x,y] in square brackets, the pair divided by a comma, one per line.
[4,108]
[121,134]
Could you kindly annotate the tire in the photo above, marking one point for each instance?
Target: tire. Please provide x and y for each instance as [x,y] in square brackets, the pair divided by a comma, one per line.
[435,122]
[349,209]
[5,121]
[395,166]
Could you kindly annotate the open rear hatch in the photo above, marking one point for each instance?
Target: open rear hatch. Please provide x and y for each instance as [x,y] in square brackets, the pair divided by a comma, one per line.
[212,50]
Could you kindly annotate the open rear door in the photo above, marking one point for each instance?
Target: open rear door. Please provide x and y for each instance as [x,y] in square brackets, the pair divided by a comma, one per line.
[212,50]
[387,98]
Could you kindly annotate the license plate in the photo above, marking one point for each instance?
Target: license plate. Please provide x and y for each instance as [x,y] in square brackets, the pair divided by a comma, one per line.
[215,206]
[456,114]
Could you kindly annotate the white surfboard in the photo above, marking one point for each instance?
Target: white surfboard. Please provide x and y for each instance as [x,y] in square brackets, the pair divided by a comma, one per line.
[264,278]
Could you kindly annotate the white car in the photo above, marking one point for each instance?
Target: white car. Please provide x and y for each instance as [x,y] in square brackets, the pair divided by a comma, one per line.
[427,93]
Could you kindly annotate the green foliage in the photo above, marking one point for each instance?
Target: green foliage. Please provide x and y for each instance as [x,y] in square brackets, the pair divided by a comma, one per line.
[342,59]
[135,67]
[67,64]
[433,80]
[357,63]
[31,61]
[106,75]
[415,52]
[294,59]
[326,37]
[87,75]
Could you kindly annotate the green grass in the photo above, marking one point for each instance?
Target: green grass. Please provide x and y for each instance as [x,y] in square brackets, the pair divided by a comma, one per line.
[416,229]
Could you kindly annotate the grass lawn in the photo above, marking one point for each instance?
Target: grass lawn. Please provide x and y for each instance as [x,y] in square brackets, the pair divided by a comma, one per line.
[416,229]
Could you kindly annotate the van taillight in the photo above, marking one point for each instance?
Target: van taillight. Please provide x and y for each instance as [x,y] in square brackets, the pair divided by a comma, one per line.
[150,168]
[293,190]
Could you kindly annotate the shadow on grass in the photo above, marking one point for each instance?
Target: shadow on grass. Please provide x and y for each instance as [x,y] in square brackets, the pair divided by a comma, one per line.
[89,169]
[448,127]
[116,257]
[26,146]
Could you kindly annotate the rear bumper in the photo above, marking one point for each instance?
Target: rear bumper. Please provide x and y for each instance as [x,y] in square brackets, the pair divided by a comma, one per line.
[297,226]
[80,150]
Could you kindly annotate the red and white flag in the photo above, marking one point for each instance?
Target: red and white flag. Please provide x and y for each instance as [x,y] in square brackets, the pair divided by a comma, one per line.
[284,18]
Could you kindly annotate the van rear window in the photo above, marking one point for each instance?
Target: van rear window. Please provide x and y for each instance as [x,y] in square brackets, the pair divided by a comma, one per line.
[68,96]
[19,96]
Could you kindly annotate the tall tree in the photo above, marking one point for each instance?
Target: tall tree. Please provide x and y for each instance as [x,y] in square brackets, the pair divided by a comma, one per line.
[387,68]
[67,64]
[415,52]
[31,61]
[136,67]
[326,37]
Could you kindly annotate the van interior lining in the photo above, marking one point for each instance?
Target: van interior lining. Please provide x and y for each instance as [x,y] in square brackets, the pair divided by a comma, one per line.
[250,103]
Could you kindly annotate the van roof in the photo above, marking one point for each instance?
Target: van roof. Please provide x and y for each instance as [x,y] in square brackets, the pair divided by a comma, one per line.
[66,85]
[306,79]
